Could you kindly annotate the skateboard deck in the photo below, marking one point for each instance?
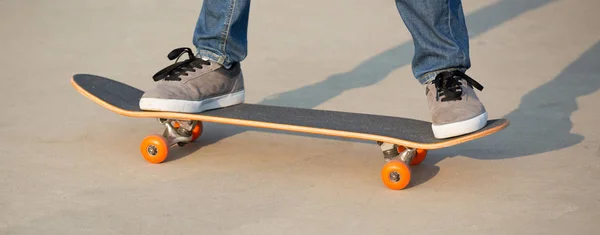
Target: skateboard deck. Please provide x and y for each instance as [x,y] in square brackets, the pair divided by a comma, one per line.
[403,141]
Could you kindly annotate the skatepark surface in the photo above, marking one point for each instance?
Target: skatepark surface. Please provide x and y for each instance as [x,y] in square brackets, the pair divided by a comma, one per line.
[70,166]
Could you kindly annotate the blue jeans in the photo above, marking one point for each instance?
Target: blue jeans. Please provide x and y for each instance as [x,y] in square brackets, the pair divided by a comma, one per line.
[437,27]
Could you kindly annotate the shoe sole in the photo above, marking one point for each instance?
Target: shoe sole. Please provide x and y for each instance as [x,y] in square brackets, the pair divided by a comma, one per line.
[188,106]
[459,128]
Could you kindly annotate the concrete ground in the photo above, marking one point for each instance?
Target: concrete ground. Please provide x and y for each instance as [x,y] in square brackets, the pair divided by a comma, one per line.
[70,166]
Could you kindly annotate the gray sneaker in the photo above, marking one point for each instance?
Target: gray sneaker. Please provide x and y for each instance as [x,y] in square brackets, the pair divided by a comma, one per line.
[194,85]
[454,106]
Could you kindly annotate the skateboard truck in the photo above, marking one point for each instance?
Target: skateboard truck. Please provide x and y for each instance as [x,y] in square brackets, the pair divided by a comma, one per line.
[396,173]
[389,150]
[407,155]
[392,151]
[181,134]
[155,148]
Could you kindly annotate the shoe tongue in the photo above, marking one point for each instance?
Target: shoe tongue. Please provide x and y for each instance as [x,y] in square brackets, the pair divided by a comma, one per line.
[448,86]
[450,82]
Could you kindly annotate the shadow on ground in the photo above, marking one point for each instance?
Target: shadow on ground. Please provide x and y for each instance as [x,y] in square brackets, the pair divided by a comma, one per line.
[540,124]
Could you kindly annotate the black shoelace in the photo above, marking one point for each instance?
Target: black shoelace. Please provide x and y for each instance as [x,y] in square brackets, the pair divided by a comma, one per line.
[174,71]
[448,85]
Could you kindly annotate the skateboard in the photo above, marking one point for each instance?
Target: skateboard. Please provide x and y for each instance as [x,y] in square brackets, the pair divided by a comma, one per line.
[403,142]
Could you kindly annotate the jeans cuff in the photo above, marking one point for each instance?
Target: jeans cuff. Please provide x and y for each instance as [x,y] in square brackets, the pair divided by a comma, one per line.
[428,77]
[212,57]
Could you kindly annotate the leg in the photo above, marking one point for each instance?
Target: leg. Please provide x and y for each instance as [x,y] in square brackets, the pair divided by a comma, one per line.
[221,31]
[213,79]
[441,59]
[440,36]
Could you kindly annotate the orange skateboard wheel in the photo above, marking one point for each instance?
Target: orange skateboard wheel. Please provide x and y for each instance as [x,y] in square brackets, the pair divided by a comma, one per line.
[419,157]
[395,175]
[154,148]
[197,131]
[176,125]
[400,148]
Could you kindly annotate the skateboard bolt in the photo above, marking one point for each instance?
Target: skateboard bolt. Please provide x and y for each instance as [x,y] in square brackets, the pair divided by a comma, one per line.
[152,150]
[394,176]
